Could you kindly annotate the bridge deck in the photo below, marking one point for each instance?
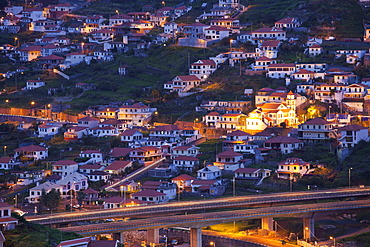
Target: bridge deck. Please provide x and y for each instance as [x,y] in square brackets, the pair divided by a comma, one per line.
[201,220]
[181,207]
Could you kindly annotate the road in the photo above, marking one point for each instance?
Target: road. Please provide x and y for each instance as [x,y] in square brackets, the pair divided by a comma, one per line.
[271,242]
[188,206]
[206,219]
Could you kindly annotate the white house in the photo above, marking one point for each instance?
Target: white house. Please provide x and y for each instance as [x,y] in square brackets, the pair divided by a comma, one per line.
[74,181]
[36,192]
[32,84]
[350,135]
[187,163]
[49,129]
[314,130]
[203,68]
[150,196]
[64,167]
[284,144]
[94,156]
[209,173]
[251,173]
[293,166]
[32,152]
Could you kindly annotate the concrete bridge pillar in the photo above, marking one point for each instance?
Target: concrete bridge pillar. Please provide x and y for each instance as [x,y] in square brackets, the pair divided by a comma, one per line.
[267,224]
[195,237]
[119,236]
[308,229]
[152,236]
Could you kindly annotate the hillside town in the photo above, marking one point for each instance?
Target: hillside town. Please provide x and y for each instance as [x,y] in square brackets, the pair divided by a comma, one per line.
[299,115]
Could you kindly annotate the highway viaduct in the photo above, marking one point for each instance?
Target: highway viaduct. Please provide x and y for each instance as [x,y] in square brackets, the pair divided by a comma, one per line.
[196,221]
[266,203]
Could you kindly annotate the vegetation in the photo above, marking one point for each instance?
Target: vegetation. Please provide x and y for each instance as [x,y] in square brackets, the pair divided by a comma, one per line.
[35,235]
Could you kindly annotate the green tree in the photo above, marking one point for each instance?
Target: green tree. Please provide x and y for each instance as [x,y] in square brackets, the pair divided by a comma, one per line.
[51,200]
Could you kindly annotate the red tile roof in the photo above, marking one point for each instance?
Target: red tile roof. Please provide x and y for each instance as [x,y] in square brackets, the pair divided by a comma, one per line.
[283,139]
[186,158]
[238,133]
[316,121]
[352,127]
[152,193]
[183,177]
[65,163]
[30,148]
[246,170]
[117,165]
[120,152]
[228,154]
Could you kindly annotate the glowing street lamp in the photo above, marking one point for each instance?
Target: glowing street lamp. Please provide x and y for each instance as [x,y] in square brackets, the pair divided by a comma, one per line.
[82,47]
[164,3]
[212,244]
[15,41]
[117,12]
[231,43]
[349,177]
[333,238]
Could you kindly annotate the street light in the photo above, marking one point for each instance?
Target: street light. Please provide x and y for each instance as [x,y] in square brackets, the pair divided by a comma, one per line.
[164,3]
[117,12]
[349,177]
[231,42]
[212,244]
[233,186]
[15,41]
[5,150]
[333,238]
[82,47]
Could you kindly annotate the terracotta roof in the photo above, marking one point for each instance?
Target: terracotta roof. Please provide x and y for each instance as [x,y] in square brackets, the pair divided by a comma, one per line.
[186,158]
[271,43]
[90,166]
[352,127]
[228,154]
[238,133]
[30,148]
[266,30]
[188,78]
[88,118]
[315,46]
[114,199]
[286,20]
[75,242]
[90,191]
[316,121]
[148,193]
[129,132]
[263,58]
[304,71]
[246,170]
[120,152]
[281,65]
[183,177]
[204,62]
[283,139]
[5,160]
[165,128]
[65,163]
[218,28]
[203,182]
[117,165]
[146,148]
[213,114]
